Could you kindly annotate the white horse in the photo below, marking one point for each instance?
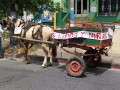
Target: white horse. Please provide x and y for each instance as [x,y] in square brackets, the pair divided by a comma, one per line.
[39,32]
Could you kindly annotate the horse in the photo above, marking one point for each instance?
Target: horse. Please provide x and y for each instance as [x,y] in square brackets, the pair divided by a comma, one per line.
[39,32]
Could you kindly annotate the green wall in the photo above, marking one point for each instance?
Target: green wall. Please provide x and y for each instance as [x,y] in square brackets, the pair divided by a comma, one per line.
[65,4]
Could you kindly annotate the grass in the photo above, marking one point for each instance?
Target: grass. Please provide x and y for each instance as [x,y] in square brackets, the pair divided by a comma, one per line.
[6,35]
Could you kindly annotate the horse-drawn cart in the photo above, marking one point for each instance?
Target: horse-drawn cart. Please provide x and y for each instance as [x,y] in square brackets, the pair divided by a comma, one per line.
[94,37]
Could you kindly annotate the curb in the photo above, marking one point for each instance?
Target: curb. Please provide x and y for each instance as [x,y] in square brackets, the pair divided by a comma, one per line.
[13,57]
[61,61]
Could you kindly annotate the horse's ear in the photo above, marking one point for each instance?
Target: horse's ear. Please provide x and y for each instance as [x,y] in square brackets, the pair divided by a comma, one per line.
[9,18]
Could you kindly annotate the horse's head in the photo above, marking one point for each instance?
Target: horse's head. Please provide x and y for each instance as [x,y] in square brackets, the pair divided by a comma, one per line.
[18,22]
[13,22]
[28,24]
[9,23]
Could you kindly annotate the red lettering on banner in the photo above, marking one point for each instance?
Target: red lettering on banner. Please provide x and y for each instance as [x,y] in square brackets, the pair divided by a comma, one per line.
[82,33]
[98,35]
[59,36]
[70,35]
[76,34]
[53,35]
[95,35]
[104,36]
[91,35]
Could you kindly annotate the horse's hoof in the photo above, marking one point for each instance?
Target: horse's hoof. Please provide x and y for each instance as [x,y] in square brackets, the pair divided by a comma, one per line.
[27,62]
[44,66]
[50,64]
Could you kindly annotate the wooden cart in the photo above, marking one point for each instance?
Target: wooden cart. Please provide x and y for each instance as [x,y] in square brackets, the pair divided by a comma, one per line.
[94,37]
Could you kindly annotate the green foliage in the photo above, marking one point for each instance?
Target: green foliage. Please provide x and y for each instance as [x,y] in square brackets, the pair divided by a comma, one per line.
[30,5]
[6,34]
[55,6]
[58,7]
[51,5]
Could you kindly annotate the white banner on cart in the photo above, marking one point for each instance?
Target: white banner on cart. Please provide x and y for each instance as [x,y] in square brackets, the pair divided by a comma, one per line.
[83,34]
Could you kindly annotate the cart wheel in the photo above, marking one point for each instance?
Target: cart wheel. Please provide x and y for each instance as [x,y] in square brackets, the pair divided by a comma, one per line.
[75,66]
[90,60]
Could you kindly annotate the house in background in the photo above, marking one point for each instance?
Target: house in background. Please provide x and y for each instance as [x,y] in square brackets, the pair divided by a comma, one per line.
[98,10]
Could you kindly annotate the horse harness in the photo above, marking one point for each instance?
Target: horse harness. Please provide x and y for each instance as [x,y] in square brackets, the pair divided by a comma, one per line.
[34,35]
[21,22]
[38,33]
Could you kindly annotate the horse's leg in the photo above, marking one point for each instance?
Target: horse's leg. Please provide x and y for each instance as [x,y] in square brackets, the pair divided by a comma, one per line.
[53,53]
[44,65]
[51,61]
[46,55]
[51,57]
[27,61]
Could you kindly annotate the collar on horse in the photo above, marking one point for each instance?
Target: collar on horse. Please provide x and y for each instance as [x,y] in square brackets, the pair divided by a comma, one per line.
[21,22]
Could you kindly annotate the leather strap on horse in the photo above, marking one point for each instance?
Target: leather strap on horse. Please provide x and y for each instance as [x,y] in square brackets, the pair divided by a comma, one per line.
[21,22]
[33,34]
[39,32]
[41,26]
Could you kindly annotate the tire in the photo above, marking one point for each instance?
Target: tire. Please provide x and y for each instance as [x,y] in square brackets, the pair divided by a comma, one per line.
[90,60]
[75,66]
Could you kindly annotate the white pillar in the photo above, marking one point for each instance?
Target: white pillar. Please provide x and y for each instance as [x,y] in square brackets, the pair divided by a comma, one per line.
[88,6]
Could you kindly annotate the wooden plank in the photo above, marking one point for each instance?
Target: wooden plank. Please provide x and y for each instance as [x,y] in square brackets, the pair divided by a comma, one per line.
[34,40]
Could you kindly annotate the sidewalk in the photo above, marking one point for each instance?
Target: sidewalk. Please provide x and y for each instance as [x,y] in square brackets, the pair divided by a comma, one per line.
[114,52]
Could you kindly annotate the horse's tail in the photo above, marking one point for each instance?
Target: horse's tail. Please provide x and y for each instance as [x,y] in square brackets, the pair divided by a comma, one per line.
[54,50]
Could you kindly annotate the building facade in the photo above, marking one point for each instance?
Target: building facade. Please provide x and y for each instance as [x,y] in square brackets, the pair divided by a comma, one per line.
[83,7]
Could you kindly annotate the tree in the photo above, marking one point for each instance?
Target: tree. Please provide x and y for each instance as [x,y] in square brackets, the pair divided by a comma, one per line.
[17,6]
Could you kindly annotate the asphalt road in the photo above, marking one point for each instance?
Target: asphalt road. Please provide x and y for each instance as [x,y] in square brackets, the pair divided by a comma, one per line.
[15,75]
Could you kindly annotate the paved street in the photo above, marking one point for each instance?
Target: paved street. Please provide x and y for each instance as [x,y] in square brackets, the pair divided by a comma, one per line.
[15,75]
[25,18]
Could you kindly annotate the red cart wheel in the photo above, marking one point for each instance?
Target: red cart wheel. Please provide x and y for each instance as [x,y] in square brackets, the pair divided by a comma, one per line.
[75,66]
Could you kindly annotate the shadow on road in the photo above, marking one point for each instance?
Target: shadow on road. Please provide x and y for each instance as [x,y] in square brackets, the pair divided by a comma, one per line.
[39,59]
[93,71]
